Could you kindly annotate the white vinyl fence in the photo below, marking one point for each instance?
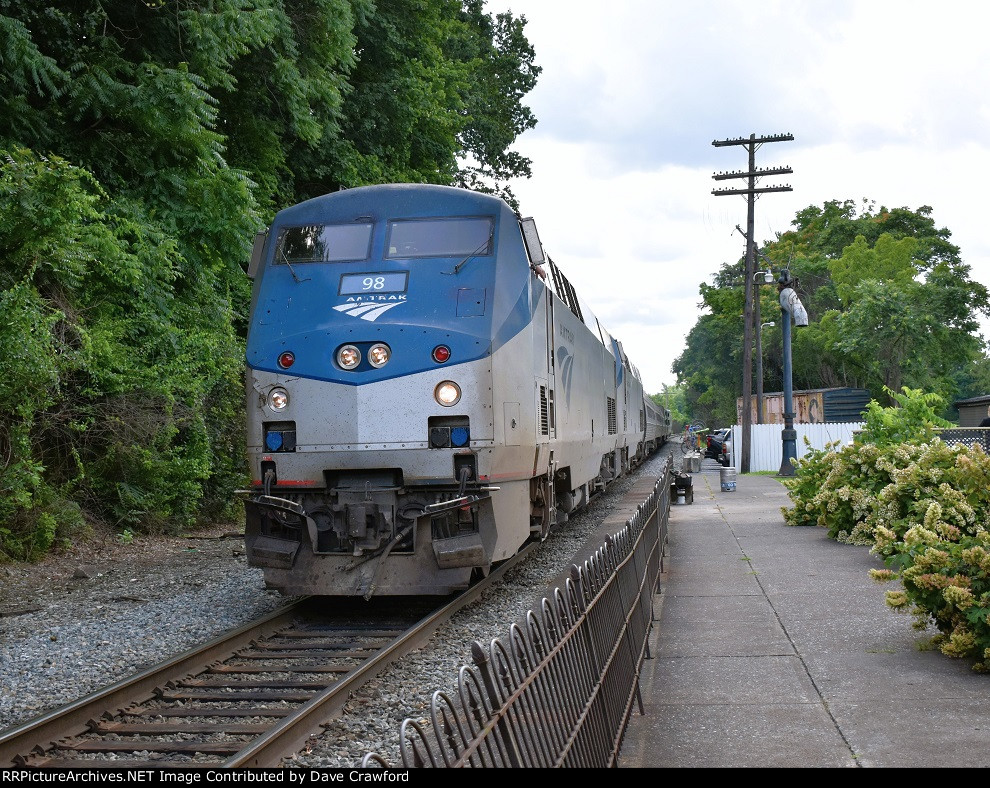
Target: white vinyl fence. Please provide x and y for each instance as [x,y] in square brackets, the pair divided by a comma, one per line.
[766,447]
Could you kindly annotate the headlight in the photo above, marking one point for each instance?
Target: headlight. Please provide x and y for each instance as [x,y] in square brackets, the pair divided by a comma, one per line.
[278,398]
[447,393]
[379,355]
[348,357]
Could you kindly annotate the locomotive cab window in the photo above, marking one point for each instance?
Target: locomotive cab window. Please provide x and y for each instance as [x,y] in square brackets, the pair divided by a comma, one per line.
[324,243]
[441,237]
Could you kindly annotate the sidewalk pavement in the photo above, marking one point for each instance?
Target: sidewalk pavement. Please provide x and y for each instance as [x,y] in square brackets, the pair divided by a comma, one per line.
[772,647]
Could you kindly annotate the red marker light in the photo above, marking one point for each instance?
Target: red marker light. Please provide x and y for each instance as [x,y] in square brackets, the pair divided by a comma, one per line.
[286,359]
[441,353]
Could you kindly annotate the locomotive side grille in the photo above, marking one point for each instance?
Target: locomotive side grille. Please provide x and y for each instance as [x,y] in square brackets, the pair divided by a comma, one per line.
[544,412]
[612,428]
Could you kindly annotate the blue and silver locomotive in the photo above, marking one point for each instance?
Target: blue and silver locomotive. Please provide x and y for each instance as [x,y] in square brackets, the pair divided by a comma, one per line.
[426,392]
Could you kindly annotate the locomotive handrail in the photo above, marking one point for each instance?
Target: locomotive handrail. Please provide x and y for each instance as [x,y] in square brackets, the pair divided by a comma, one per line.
[560,691]
[280,503]
[454,503]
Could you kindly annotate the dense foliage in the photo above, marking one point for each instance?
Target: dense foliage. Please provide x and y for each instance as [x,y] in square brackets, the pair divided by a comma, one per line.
[142,145]
[890,302]
[672,399]
[918,502]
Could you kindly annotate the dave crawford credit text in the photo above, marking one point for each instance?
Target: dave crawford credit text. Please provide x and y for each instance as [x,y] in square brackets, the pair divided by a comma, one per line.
[292,776]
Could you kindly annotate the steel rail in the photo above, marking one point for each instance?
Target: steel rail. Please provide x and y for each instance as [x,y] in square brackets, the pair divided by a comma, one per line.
[289,735]
[72,719]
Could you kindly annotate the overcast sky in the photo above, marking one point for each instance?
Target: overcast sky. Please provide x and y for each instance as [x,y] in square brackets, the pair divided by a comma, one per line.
[888,101]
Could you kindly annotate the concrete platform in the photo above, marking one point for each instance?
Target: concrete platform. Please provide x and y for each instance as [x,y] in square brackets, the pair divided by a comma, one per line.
[772,647]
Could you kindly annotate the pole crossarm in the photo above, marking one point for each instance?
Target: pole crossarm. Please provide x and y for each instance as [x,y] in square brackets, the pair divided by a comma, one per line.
[753,139]
[721,176]
[760,190]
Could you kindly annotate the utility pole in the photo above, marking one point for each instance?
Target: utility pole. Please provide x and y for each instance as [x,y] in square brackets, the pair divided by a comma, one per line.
[758,323]
[751,144]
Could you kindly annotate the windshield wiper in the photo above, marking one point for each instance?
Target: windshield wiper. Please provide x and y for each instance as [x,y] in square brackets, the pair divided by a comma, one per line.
[485,245]
[291,269]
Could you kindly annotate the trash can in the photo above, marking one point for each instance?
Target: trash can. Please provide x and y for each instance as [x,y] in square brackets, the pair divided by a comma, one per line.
[728,478]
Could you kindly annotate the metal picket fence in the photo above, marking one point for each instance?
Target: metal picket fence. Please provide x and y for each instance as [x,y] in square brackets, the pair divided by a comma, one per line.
[560,690]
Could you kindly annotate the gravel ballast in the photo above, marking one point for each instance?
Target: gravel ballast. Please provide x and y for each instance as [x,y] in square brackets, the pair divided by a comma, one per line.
[78,623]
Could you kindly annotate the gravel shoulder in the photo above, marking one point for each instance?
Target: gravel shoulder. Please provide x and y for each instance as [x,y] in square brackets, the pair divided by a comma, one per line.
[82,619]
[104,566]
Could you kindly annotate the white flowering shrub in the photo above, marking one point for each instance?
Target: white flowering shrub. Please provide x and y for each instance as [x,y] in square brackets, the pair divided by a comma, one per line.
[922,505]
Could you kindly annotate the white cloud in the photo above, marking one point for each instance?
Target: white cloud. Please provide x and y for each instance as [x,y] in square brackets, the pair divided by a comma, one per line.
[886,100]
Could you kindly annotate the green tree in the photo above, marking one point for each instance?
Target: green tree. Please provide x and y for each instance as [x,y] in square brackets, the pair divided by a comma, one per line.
[709,367]
[672,398]
[115,378]
[890,300]
[282,104]
[435,97]
[501,62]
[143,143]
[899,307]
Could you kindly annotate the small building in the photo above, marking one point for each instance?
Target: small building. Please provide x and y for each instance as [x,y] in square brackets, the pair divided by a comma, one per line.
[973,410]
[812,406]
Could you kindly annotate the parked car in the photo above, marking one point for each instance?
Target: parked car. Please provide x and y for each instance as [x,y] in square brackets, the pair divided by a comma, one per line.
[725,458]
[716,442]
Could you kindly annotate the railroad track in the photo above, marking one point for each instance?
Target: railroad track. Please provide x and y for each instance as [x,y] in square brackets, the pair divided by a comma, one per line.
[246,699]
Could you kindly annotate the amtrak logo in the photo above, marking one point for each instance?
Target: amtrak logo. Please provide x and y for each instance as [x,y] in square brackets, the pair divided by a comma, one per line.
[566,371]
[365,310]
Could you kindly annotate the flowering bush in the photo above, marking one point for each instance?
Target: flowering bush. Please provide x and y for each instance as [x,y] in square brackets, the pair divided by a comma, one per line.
[948,584]
[837,488]
[922,505]
[944,488]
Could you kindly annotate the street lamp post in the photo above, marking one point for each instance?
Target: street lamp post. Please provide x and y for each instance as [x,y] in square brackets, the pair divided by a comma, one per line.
[759,371]
[791,308]
[767,277]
